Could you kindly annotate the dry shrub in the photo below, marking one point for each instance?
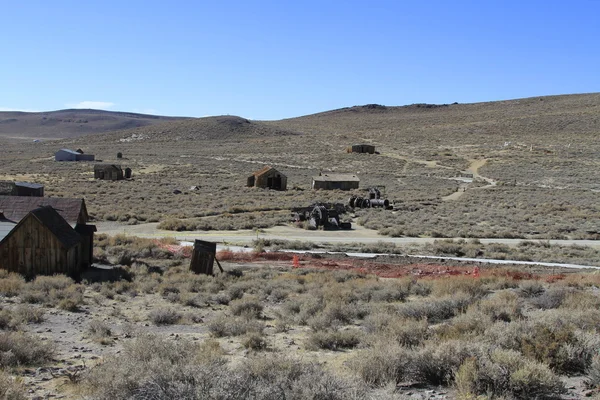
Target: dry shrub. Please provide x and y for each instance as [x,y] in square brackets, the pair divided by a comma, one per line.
[531,288]
[21,349]
[334,340]
[155,368]
[222,326]
[10,283]
[503,306]
[248,306]
[593,372]
[474,287]
[254,341]
[391,328]
[99,330]
[164,316]
[28,314]
[10,388]
[437,309]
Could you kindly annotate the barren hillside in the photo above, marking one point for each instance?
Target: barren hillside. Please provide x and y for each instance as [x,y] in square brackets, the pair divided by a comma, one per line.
[71,123]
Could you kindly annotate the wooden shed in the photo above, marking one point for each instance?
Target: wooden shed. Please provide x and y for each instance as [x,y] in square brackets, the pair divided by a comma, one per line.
[42,243]
[9,188]
[363,148]
[73,211]
[109,172]
[268,177]
[29,189]
[335,181]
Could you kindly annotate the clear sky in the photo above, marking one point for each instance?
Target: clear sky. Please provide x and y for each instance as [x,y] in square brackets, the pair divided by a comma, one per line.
[278,59]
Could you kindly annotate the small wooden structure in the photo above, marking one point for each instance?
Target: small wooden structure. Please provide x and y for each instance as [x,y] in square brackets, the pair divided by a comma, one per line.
[73,211]
[127,173]
[9,188]
[268,177]
[203,257]
[335,181]
[29,189]
[42,243]
[363,148]
[109,172]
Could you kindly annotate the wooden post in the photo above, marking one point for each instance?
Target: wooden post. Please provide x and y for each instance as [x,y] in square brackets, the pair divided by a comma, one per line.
[203,257]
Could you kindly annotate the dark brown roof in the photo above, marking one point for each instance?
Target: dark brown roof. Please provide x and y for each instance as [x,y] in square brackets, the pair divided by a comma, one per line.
[106,166]
[15,208]
[57,225]
[264,170]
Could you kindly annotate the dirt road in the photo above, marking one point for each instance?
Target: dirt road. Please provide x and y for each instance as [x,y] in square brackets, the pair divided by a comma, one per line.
[245,237]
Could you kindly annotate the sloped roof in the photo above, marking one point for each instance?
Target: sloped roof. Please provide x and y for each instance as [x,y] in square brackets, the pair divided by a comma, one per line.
[5,227]
[69,151]
[52,220]
[29,185]
[264,170]
[336,178]
[104,166]
[15,208]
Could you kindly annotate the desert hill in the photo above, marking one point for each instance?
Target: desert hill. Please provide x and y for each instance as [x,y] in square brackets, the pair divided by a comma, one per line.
[208,128]
[71,123]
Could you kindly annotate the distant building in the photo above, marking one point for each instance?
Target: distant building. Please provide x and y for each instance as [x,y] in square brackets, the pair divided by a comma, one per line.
[363,148]
[72,155]
[73,212]
[127,173]
[335,181]
[268,177]
[109,172]
[8,188]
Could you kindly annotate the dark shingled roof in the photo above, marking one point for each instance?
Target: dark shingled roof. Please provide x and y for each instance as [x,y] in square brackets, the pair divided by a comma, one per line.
[264,170]
[15,208]
[57,225]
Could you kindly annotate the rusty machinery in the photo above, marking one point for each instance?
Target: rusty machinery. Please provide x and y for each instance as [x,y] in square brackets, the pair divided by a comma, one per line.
[373,201]
[326,215]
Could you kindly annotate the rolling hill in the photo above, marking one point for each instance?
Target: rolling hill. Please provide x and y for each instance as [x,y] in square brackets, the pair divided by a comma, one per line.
[71,123]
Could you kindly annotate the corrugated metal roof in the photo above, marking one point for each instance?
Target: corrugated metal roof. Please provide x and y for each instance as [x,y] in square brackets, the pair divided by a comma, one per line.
[29,185]
[5,227]
[15,208]
[336,178]
[69,151]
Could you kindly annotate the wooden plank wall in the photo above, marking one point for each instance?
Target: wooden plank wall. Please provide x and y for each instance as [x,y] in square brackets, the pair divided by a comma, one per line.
[33,250]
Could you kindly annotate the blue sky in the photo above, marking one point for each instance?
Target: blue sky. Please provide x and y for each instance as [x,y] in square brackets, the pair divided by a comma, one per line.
[279,59]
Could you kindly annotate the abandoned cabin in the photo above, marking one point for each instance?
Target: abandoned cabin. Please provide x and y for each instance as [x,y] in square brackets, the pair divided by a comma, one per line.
[335,181]
[72,155]
[8,188]
[268,177]
[44,236]
[109,172]
[363,148]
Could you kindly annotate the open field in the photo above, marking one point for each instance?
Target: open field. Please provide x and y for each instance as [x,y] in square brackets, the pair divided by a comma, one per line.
[535,163]
[331,328]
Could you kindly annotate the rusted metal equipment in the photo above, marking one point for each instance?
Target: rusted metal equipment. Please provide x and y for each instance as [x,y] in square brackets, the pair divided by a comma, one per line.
[374,200]
[203,257]
[326,215]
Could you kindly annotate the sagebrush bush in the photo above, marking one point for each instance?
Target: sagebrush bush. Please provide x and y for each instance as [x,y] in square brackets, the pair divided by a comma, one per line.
[334,340]
[164,316]
[22,349]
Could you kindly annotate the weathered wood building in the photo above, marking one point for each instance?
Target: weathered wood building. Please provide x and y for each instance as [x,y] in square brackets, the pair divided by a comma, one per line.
[45,235]
[268,177]
[335,181]
[8,188]
[72,155]
[363,148]
[109,172]
[42,243]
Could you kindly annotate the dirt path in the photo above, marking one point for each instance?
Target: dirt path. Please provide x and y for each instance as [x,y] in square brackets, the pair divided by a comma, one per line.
[245,237]
[474,169]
